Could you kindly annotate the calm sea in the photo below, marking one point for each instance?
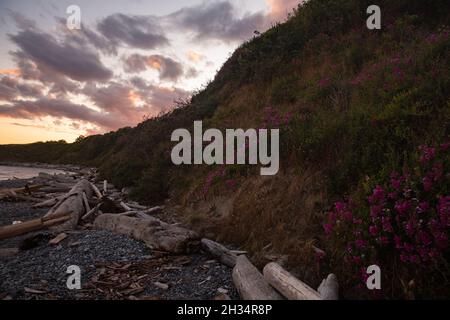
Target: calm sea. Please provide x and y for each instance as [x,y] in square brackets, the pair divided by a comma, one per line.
[7,172]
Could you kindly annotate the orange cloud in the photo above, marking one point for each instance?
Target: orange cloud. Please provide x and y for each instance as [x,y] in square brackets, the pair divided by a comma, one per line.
[10,72]
[135,98]
[155,63]
[195,56]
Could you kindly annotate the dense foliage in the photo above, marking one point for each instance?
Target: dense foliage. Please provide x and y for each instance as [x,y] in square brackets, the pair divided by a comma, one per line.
[353,105]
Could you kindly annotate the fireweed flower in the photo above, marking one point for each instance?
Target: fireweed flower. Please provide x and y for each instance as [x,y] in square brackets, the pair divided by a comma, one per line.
[378,193]
[373,230]
[360,244]
[328,227]
[425,238]
[398,242]
[423,207]
[427,154]
[384,241]
[375,211]
[408,216]
[387,225]
[395,181]
[427,184]
[402,207]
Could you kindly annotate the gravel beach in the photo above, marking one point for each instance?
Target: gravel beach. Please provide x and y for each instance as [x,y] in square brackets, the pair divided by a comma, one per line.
[107,261]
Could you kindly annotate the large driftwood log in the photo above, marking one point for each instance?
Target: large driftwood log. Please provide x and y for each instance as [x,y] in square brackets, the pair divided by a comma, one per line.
[27,189]
[156,234]
[32,225]
[73,203]
[220,252]
[287,284]
[329,288]
[47,203]
[250,282]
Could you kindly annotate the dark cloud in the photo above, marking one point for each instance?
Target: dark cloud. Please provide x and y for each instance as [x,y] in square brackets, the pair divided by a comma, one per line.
[86,37]
[141,32]
[217,20]
[21,21]
[77,63]
[59,109]
[168,68]
[135,63]
[11,88]
[56,82]
[113,98]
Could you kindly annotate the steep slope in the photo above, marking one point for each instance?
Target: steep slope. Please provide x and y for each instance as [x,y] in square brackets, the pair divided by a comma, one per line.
[353,105]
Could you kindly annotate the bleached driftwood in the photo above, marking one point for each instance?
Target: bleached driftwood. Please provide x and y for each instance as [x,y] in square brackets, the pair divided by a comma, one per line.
[136,206]
[91,212]
[144,214]
[250,282]
[86,202]
[47,203]
[32,225]
[329,288]
[60,237]
[156,234]
[220,252]
[287,284]
[125,207]
[96,191]
[73,203]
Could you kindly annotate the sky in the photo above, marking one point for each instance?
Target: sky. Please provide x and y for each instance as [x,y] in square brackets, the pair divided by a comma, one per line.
[130,60]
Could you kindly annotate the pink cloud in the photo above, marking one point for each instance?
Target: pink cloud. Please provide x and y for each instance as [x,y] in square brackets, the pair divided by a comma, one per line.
[279,9]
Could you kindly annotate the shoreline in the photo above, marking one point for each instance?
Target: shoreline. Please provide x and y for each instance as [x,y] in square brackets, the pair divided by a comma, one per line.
[41,165]
[113,266]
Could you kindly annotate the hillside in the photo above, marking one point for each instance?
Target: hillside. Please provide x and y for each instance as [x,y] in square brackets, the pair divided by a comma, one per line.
[353,106]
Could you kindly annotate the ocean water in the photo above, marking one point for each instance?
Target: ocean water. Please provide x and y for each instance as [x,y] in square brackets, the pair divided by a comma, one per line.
[7,172]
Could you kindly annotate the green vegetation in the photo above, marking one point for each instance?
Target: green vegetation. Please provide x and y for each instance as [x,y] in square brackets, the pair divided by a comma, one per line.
[354,105]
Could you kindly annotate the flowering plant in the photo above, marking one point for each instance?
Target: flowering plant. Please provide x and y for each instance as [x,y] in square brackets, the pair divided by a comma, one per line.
[405,221]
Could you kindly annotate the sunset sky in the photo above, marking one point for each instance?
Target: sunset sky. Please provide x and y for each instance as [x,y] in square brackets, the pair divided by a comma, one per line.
[131,59]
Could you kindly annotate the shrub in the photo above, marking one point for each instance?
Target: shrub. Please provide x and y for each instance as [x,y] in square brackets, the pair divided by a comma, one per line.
[403,224]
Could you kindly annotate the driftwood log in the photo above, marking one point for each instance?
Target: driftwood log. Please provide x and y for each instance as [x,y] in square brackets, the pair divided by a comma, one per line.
[287,284]
[329,288]
[72,202]
[91,212]
[12,231]
[27,189]
[47,203]
[250,282]
[156,234]
[225,256]
[96,191]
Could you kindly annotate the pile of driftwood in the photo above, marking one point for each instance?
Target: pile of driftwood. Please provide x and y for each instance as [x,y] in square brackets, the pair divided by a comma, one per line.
[275,283]
[79,199]
[83,203]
